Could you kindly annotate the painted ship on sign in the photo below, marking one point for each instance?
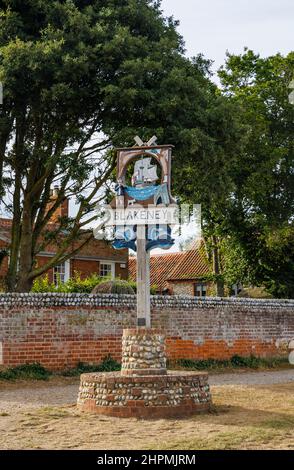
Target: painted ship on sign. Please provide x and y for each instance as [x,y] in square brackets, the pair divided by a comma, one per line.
[144,173]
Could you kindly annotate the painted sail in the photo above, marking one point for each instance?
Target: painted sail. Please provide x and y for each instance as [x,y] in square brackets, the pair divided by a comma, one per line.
[144,172]
[152,173]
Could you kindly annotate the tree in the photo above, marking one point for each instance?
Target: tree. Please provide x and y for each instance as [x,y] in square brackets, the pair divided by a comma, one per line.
[243,174]
[263,205]
[81,77]
[205,172]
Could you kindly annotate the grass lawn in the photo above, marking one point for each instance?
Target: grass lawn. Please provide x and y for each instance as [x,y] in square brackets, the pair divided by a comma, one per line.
[259,417]
[243,417]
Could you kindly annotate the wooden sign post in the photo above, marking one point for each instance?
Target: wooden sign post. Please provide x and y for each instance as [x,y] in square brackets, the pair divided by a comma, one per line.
[143,279]
[143,211]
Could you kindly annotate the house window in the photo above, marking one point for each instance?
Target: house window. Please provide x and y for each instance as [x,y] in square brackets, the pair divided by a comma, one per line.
[200,289]
[106,270]
[61,273]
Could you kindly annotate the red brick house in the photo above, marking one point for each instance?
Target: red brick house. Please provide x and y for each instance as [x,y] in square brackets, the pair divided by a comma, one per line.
[183,273]
[95,257]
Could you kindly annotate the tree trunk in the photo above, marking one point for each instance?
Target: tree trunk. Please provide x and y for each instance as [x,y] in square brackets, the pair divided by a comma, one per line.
[219,283]
[16,227]
[15,237]
[26,260]
[6,124]
[24,283]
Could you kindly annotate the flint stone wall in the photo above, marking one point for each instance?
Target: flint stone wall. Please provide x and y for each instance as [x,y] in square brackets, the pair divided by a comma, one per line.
[60,330]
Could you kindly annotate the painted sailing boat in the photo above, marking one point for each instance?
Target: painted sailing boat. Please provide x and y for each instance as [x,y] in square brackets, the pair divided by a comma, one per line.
[145,173]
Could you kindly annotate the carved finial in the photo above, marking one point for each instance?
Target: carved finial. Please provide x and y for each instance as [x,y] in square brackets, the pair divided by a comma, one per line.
[150,142]
[138,141]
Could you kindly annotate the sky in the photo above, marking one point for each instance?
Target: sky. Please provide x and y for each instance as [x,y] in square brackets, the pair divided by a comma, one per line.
[214,26]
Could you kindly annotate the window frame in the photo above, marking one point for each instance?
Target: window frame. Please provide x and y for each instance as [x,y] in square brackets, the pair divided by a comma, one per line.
[203,289]
[112,269]
[65,274]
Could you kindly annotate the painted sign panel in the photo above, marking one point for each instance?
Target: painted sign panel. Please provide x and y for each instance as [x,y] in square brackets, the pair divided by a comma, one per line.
[138,215]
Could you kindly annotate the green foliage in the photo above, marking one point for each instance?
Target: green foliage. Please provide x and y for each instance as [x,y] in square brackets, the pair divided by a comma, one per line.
[261,212]
[75,70]
[210,277]
[245,178]
[133,284]
[74,284]
[277,260]
[77,284]
[255,293]
[236,268]
[116,286]
[251,362]
[107,365]
[34,371]
[42,284]
[87,285]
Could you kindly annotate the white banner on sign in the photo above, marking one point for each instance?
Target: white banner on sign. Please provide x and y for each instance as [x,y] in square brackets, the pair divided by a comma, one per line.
[138,215]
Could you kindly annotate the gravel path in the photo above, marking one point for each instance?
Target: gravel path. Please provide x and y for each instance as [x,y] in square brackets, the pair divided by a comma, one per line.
[253,378]
[16,397]
[36,396]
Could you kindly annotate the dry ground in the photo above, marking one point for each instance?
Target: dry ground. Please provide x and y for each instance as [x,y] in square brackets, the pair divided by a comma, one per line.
[251,411]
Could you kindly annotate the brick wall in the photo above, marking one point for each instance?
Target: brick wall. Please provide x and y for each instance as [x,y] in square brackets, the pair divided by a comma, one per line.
[85,267]
[59,330]
[86,262]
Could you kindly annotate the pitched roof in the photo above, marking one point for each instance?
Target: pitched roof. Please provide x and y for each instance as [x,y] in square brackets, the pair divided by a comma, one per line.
[165,267]
[192,265]
[132,267]
[160,266]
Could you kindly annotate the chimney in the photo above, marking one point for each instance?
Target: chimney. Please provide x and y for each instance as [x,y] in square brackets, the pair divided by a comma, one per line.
[61,211]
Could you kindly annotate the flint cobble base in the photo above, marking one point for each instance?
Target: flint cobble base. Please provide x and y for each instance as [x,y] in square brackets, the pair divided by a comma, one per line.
[143,389]
[143,352]
[153,396]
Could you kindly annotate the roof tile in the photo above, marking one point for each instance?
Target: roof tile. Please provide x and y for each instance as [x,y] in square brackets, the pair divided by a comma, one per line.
[190,264]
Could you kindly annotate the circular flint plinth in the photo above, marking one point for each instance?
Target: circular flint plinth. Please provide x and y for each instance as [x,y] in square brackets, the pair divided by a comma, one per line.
[177,394]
